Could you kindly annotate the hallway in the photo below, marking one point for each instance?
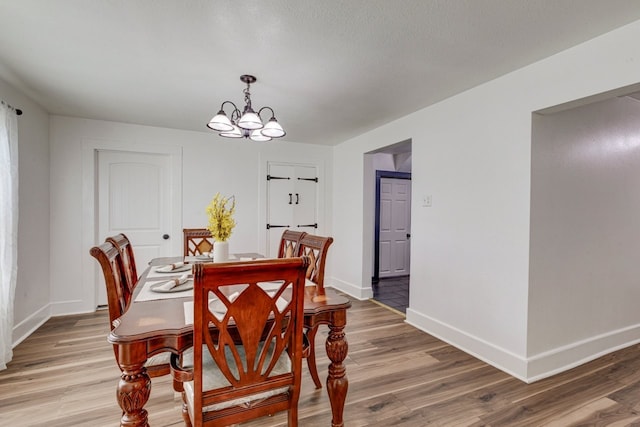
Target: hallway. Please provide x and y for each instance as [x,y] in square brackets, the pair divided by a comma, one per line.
[392,292]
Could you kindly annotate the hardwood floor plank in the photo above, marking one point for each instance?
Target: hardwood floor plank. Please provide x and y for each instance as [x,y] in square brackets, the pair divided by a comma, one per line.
[545,407]
[65,375]
[594,413]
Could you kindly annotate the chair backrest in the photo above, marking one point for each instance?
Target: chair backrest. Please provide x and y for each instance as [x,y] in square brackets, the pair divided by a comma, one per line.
[197,241]
[316,248]
[289,243]
[122,243]
[258,330]
[118,294]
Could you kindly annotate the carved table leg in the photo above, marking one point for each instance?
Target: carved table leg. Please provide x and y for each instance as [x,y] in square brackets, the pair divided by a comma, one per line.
[133,392]
[337,383]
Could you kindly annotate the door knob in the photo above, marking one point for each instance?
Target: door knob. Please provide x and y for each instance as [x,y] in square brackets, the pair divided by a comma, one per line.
[408,235]
[165,236]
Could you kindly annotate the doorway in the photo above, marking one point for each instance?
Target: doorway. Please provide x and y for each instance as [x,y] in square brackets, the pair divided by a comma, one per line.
[93,231]
[384,167]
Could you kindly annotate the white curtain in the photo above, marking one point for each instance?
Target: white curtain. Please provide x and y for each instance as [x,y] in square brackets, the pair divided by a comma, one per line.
[8,227]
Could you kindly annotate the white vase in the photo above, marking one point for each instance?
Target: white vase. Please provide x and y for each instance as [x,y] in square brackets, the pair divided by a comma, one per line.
[220,251]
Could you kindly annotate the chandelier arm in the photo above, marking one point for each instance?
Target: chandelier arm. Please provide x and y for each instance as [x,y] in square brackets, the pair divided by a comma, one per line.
[235,116]
[228,102]
[273,114]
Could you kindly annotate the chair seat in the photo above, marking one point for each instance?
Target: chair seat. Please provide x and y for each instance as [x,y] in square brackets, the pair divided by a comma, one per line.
[213,378]
[158,359]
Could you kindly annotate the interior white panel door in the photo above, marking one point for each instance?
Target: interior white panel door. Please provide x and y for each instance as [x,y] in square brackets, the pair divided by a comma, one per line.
[395,227]
[279,204]
[305,199]
[135,198]
[291,201]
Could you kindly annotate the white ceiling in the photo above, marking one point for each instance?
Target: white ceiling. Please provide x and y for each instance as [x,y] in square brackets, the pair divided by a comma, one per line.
[331,69]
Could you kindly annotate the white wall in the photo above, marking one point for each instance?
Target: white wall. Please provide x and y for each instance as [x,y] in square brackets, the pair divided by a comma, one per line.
[31,307]
[472,153]
[585,233]
[210,164]
[470,250]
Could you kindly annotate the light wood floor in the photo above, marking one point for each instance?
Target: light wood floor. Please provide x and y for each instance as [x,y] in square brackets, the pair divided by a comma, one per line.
[65,375]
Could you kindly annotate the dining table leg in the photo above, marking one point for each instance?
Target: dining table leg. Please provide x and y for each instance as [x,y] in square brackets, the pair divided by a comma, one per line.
[134,388]
[337,382]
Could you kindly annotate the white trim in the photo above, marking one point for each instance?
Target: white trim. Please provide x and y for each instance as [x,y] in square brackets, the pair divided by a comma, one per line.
[560,359]
[65,308]
[22,330]
[351,289]
[533,368]
[502,359]
[90,147]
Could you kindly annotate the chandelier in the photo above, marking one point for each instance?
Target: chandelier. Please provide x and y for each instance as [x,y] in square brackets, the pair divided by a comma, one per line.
[247,124]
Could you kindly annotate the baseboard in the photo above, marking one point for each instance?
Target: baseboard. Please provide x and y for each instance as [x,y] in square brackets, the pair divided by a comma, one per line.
[533,368]
[351,289]
[29,325]
[563,358]
[64,308]
[500,358]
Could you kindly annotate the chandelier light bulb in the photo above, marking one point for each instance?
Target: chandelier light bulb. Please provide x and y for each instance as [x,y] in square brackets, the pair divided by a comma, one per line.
[250,120]
[220,122]
[273,129]
[235,132]
[257,135]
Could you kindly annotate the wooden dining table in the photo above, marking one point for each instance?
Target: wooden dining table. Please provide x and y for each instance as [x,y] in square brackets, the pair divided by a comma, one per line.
[154,326]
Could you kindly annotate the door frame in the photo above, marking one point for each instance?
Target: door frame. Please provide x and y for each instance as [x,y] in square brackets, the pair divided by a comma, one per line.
[90,148]
[376,238]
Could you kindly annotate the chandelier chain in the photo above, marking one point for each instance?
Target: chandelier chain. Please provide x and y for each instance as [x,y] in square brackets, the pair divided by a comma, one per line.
[247,96]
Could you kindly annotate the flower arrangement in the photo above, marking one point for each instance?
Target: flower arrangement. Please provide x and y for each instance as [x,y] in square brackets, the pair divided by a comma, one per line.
[221,222]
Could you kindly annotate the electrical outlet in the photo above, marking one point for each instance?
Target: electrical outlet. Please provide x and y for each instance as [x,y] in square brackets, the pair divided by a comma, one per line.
[426,201]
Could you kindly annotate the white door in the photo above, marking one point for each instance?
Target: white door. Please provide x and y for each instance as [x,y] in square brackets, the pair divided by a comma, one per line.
[135,198]
[395,227]
[291,201]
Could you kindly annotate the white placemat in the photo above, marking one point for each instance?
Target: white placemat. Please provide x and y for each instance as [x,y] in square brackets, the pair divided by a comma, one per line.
[216,308]
[146,294]
[198,258]
[232,257]
[155,275]
[188,311]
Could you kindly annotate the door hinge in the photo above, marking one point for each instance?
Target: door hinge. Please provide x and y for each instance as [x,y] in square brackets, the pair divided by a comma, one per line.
[308,225]
[277,226]
[269,177]
[308,179]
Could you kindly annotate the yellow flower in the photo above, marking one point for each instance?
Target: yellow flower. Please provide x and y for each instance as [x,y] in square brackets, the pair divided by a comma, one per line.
[221,221]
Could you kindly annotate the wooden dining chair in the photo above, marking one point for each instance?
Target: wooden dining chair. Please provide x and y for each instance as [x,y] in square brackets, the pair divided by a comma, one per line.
[122,243]
[118,299]
[315,248]
[197,241]
[289,243]
[249,363]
